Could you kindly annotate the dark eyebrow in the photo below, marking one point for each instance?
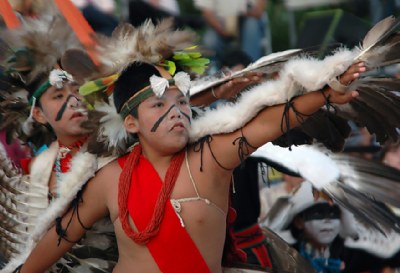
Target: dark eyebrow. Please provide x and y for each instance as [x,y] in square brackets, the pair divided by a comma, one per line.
[55,90]
[180,95]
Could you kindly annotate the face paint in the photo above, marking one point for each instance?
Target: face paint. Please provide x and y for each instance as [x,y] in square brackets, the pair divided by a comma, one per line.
[158,122]
[322,231]
[187,116]
[321,211]
[64,107]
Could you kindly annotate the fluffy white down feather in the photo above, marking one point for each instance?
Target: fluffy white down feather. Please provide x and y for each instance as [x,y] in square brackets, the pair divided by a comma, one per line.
[112,127]
[303,160]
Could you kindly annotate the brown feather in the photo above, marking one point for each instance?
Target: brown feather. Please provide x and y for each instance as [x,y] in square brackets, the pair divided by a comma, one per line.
[381,44]
[379,31]
[79,64]
[45,38]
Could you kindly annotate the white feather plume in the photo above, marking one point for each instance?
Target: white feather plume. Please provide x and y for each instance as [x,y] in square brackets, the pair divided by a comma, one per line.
[112,129]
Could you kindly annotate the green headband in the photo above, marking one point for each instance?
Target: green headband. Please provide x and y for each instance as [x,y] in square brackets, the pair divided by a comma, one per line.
[56,78]
[135,100]
[158,85]
[39,92]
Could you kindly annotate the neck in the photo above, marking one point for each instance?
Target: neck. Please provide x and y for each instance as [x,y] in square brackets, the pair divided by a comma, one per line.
[157,159]
[70,140]
[317,246]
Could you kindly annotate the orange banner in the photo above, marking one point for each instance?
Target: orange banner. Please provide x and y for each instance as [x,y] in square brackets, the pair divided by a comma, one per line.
[80,26]
[10,18]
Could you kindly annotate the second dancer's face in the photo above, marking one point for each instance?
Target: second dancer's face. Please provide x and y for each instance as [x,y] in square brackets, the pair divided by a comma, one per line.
[63,110]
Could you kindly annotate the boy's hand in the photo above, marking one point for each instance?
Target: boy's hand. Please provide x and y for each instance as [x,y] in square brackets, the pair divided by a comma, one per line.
[346,78]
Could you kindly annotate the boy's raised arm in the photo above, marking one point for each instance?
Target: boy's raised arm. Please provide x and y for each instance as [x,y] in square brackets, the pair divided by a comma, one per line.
[268,124]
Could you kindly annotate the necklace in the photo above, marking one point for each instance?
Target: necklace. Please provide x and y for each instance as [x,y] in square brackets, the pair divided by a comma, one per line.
[153,227]
[64,157]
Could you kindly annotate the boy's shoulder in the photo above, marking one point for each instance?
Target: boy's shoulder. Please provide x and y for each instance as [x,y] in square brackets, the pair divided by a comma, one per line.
[111,168]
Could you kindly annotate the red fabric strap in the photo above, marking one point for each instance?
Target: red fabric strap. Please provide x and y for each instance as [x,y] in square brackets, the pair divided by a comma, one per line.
[250,236]
[254,238]
[25,165]
[172,249]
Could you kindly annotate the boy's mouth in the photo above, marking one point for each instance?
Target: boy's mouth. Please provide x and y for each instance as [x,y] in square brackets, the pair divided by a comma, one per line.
[77,114]
[178,125]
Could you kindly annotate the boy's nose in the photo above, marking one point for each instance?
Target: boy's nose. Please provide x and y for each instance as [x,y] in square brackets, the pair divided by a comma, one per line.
[74,101]
[175,112]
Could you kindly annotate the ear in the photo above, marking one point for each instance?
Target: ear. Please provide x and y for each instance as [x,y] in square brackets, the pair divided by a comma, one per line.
[38,115]
[131,124]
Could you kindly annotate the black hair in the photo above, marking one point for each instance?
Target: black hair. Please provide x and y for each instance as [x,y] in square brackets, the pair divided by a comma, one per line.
[132,79]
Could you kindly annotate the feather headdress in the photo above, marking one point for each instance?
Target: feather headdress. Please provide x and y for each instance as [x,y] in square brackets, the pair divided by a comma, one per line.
[150,45]
[27,55]
[155,44]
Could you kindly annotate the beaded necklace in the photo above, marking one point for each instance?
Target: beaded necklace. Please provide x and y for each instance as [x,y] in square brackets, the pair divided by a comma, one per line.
[64,157]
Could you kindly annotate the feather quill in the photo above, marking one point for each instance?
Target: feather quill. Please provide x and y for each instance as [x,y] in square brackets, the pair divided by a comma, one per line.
[377,34]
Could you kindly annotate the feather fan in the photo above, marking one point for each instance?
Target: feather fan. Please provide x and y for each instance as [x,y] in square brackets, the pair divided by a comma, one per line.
[352,182]
[268,64]
[17,216]
[376,107]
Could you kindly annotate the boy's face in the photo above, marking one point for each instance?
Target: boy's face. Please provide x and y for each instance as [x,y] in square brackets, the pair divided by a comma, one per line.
[62,109]
[163,123]
[322,223]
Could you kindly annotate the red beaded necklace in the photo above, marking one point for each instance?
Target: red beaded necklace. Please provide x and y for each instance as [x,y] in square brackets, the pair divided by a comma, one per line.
[64,157]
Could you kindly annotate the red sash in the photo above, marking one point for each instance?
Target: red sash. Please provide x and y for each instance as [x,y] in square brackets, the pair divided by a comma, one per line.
[172,249]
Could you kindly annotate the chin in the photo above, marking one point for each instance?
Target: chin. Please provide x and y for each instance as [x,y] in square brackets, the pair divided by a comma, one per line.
[176,147]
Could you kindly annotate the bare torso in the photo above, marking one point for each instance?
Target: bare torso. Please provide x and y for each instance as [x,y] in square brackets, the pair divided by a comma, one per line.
[205,223]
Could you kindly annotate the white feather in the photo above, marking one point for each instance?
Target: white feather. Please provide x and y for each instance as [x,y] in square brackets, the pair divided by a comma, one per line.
[112,129]
[159,85]
[372,241]
[308,161]
[222,119]
[182,81]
